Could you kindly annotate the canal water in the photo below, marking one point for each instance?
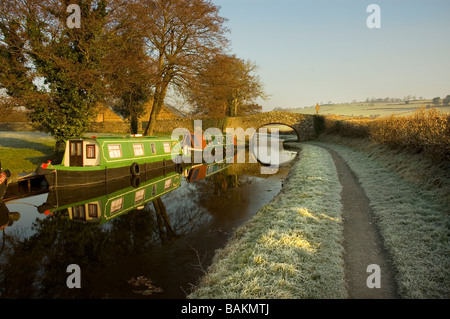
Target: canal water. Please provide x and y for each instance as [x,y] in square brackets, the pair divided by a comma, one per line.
[159,249]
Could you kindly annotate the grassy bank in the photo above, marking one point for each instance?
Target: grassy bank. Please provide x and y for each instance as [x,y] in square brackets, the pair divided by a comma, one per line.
[22,152]
[410,197]
[292,247]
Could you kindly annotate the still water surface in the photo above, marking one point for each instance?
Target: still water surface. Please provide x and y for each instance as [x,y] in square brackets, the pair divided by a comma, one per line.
[153,251]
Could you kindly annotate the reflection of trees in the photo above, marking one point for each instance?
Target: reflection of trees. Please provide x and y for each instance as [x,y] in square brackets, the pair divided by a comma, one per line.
[36,267]
[166,232]
[182,209]
[219,190]
[221,182]
[227,181]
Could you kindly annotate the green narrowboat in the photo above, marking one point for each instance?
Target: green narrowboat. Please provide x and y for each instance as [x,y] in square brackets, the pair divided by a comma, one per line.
[109,201]
[96,160]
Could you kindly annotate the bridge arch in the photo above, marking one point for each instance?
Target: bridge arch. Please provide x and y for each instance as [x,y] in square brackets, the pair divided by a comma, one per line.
[303,124]
[276,123]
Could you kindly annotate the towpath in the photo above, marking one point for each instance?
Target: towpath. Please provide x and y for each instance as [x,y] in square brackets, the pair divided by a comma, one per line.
[362,242]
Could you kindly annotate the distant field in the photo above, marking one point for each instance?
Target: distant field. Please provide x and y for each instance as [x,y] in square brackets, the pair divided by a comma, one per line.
[369,109]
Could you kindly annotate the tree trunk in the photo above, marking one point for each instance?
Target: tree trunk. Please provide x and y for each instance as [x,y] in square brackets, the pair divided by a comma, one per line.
[235,107]
[152,118]
[166,232]
[158,101]
[134,124]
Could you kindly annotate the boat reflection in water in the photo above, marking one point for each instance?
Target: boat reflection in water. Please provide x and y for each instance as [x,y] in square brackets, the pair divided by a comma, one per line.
[101,203]
[203,171]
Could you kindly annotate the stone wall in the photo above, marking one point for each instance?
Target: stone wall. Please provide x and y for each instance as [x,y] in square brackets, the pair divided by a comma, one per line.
[111,127]
[168,125]
[305,129]
[303,124]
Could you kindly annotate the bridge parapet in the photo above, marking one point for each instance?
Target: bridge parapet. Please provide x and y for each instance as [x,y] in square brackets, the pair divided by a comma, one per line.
[303,124]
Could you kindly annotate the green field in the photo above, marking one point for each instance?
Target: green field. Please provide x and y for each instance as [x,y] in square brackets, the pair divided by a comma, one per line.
[22,152]
[363,109]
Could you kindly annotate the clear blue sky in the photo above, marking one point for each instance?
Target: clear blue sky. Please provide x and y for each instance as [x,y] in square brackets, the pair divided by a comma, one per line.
[322,50]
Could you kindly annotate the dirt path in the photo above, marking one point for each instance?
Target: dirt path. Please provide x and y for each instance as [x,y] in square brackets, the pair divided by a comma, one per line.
[362,242]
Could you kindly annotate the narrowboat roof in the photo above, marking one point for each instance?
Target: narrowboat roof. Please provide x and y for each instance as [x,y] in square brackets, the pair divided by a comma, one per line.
[125,137]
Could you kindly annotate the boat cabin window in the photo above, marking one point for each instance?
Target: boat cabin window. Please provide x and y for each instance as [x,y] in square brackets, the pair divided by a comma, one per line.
[93,210]
[154,190]
[76,153]
[90,151]
[167,147]
[153,147]
[117,205]
[78,213]
[195,174]
[168,183]
[115,151]
[75,149]
[138,149]
[139,196]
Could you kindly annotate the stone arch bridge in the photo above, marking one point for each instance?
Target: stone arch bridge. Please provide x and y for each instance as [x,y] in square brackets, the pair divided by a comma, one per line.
[303,124]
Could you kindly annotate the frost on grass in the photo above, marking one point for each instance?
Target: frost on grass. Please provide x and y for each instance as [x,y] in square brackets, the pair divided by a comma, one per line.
[413,219]
[292,248]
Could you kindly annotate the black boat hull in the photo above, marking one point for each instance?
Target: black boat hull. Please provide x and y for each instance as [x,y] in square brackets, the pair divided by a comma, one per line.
[3,189]
[81,178]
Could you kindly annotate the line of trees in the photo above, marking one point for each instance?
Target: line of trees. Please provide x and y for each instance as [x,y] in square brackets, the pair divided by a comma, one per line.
[445,101]
[393,99]
[124,54]
[436,101]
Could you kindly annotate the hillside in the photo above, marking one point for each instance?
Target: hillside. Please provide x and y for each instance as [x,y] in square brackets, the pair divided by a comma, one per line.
[368,109]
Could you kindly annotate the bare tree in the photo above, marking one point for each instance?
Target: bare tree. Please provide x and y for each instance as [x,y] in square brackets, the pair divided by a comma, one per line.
[180,35]
[226,85]
[127,68]
[247,86]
